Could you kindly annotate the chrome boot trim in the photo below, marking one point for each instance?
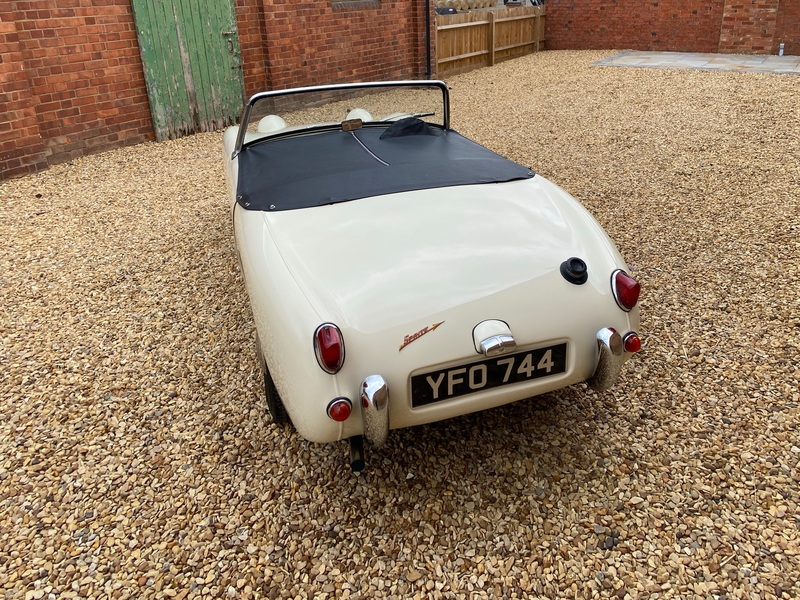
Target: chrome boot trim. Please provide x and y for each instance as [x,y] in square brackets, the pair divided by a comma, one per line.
[612,357]
[498,344]
[493,338]
[375,409]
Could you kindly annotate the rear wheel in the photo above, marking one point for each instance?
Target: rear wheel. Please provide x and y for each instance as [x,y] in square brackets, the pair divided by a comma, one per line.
[274,403]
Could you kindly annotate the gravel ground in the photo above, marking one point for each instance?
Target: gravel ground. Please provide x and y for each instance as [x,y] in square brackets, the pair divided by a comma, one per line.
[136,459]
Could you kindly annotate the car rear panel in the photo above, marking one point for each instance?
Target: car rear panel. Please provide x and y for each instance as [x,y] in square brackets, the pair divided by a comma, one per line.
[548,320]
[408,277]
[387,261]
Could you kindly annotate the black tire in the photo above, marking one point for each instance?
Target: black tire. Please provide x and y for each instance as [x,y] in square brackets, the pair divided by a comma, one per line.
[275,406]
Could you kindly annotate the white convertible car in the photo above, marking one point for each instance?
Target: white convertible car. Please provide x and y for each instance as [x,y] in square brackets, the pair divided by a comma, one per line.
[400,273]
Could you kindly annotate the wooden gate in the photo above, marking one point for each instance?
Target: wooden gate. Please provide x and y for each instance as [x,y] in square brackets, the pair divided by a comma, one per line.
[192,64]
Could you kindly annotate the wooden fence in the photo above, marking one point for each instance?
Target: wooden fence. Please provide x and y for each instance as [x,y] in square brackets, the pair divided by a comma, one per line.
[482,38]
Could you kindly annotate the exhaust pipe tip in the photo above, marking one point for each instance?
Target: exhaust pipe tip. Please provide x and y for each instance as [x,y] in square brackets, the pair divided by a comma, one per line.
[357,461]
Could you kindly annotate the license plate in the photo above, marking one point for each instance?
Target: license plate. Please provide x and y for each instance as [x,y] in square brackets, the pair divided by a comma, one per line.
[507,369]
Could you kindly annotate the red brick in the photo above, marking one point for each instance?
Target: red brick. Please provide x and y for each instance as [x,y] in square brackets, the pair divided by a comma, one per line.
[696,25]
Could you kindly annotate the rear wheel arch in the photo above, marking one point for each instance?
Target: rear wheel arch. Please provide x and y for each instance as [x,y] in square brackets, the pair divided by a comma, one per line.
[275,406]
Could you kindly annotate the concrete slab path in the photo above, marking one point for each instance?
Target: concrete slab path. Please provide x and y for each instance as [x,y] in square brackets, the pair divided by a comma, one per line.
[753,63]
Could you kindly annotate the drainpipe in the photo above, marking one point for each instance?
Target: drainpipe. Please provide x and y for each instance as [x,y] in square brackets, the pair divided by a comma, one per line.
[427,39]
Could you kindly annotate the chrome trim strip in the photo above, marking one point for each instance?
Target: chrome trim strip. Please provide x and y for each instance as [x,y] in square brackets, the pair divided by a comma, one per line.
[612,357]
[375,409]
[370,152]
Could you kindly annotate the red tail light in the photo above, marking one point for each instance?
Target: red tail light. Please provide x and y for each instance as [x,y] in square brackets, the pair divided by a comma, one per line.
[339,409]
[632,343]
[626,289]
[329,347]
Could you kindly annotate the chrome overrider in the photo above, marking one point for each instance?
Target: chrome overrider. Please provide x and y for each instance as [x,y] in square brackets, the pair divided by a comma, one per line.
[612,357]
[375,409]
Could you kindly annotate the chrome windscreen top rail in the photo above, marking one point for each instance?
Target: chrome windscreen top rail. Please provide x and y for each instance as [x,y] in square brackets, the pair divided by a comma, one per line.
[337,87]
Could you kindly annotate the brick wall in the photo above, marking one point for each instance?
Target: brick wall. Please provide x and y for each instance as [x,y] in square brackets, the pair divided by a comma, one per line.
[334,41]
[664,25]
[73,83]
[21,146]
[729,26]
[787,28]
[85,87]
[251,24]
[748,26]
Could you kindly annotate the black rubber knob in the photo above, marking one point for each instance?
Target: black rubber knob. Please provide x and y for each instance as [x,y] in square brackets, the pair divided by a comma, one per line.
[574,270]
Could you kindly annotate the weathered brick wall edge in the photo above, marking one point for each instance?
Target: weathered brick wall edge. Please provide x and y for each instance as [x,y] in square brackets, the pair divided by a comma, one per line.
[72,82]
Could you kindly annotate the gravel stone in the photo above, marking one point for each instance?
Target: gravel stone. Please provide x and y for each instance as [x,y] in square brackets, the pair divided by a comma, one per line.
[136,459]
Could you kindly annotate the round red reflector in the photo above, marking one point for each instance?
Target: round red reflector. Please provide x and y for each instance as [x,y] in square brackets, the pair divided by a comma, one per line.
[632,343]
[339,409]
[626,289]
[329,347]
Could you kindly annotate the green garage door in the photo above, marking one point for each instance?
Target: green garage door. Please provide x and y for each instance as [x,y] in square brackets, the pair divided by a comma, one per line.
[192,64]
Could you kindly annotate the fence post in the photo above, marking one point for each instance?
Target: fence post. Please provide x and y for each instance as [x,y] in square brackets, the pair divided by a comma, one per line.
[491,38]
[540,27]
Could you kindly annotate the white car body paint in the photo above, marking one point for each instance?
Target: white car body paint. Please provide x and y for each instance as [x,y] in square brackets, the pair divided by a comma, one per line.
[388,267]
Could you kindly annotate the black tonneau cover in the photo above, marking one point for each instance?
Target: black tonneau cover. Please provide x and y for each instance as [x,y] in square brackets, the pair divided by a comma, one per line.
[327,167]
